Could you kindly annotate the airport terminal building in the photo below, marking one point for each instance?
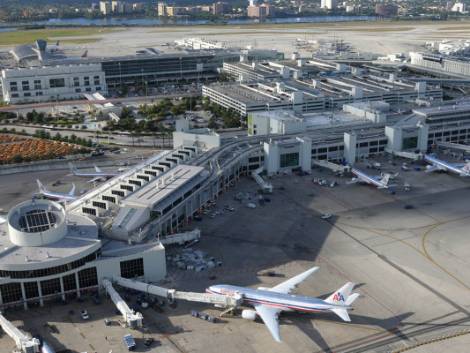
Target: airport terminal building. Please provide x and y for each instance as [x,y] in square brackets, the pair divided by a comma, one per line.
[50,254]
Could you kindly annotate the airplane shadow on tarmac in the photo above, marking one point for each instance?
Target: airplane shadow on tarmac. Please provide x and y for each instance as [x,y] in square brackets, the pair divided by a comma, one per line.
[306,323]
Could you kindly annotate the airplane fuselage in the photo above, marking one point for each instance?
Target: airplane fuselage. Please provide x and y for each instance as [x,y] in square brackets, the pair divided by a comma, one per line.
[58,196]
[368,179]
[284,302]
[95,174]
[442,165]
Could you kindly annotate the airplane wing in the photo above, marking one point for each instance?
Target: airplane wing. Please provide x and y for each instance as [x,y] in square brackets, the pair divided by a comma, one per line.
[95,179]
[431,168]
[287,286]
[269,315]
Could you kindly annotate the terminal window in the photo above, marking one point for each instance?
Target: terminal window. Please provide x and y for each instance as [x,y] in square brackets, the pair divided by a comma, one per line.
[132,268]
[25,85]
[50,286]
[289,160]
[11,292]
[57,82]
[88,278]
[69,282]
[31,290]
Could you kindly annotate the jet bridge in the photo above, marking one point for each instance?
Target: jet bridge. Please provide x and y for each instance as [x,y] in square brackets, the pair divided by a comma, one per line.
[265,186]
[131,318]
[336,168]
[23,342]
[172,294]
[454,146]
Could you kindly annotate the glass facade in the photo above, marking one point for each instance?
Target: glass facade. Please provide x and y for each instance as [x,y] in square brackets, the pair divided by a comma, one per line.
[132,268]
[289,160]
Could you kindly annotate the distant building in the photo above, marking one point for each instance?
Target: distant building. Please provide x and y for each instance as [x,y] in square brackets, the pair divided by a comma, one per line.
[105,8]
[118,7]
[161,9]
[138,6]
[46,83]
[220,8]
[459,7]
[328,4]
[386,10]
[260,11]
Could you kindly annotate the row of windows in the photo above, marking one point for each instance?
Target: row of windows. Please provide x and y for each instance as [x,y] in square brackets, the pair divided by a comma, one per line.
[54,83]
[11,292]
[52,270]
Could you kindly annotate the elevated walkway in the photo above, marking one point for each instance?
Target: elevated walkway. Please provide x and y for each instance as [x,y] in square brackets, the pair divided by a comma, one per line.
[23,343]
[172,294]
[263,184]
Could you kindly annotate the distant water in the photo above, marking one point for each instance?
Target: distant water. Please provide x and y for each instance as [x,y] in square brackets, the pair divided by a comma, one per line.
[159,22]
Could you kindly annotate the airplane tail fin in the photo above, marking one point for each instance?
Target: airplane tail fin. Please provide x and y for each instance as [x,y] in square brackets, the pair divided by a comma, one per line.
[40,186]
[72,191]
[386,178]
[98,170]
[466,167]
[343,296]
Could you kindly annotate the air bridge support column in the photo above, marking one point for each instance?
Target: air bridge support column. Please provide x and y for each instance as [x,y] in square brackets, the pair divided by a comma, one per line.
[423,133]
[395,138]
[350,141]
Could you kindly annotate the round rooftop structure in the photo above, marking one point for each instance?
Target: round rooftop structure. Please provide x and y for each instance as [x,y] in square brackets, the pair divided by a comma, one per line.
[36,223]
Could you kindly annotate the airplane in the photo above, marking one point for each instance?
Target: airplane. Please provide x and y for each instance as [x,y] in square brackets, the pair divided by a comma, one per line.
[462,169]
[97,175]
[57,196]
[270,302]
[381,182]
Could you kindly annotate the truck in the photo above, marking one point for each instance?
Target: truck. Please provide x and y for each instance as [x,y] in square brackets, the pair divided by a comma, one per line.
[129,342]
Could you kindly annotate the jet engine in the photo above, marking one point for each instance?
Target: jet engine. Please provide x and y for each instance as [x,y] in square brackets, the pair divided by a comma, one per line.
[249,315]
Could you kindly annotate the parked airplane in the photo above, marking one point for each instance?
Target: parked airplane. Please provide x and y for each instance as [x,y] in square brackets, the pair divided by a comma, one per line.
[270,302]
[97,175]
[462,169]
[57,196]
[381,182]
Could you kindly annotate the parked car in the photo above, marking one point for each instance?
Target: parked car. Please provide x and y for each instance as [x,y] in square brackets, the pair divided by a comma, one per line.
[84,315]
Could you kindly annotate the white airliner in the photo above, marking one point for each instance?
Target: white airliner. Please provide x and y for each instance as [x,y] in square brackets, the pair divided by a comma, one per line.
[270,302]
[462,169]
[97,175]
[57,196]
[380,181]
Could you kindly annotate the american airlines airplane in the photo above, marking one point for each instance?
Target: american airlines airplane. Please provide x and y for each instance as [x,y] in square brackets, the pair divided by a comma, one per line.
[97,175]
[381,182]
[57,196]
[462,169]
[270,302]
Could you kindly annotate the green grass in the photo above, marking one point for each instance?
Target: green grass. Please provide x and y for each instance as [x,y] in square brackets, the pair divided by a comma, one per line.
[29,36]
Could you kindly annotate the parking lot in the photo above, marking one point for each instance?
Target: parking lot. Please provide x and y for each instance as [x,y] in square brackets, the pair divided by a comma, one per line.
[407,251]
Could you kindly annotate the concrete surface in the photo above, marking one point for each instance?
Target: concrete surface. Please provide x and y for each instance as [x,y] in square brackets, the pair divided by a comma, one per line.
[410,264]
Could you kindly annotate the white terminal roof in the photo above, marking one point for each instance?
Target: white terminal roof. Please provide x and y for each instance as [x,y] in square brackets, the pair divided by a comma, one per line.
[81,239]
[160,188]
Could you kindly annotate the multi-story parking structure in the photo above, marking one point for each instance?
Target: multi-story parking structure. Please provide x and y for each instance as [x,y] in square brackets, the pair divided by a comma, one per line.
[316,94]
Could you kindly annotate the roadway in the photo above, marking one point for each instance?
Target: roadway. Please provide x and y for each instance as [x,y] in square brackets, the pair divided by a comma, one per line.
[144,99]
